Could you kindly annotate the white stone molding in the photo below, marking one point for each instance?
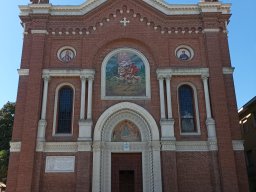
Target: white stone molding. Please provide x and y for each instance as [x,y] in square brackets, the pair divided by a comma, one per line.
[69,72]
[228,70]
[197,114]
[60,164]
[189,146]
[23,72]
[133,108]
[39,32]
[103,76]
[182,71]
[238,145]
[167,129]
[56,109]
[15,146]
[41,129]
[63,147]
[149,147]
[209,30]
[85,130]
[162,6]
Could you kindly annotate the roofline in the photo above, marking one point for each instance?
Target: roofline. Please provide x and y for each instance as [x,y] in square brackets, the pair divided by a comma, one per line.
[89,5]
[245,106]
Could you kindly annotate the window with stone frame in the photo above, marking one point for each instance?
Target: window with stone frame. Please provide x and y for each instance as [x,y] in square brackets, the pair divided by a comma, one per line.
[187,109]
[65,110]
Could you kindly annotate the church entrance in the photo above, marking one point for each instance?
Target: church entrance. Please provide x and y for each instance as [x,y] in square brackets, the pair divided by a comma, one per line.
[126,172]
[126,151]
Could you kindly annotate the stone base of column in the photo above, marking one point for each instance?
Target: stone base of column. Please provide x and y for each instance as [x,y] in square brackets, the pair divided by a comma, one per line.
[210,124]
[41,130]
[167,129]
[85,130]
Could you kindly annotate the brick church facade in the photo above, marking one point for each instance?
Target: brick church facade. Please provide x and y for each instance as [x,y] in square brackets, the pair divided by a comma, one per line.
[126,95]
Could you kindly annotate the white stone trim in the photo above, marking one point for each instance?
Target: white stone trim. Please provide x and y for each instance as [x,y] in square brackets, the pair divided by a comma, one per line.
[208,30]
[198,128]
[63,147]
[162,6]
[189,146]
[87,73]
[149,147]
[182,71]
[23,72]
[56,100]
[15,146]
[238,145]
[133,108]
[178,146]
[103,76]
[39,31]
[228,70]
[60,164]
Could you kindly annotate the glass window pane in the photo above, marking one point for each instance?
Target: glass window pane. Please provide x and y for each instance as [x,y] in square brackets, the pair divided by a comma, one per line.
[65,106]
[186,104]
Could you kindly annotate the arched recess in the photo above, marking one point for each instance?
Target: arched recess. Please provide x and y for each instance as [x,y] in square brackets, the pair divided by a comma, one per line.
[149,147]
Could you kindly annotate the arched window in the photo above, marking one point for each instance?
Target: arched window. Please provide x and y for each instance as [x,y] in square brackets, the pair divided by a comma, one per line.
[65,110]
[187,109]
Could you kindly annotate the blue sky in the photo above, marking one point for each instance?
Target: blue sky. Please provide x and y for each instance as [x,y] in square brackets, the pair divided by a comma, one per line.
[242,41]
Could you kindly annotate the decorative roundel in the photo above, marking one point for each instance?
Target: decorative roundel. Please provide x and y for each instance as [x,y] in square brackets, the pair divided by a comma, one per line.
[184,53]
[66,54]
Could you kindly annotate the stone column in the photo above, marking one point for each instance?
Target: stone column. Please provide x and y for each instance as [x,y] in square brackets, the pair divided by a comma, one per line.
[89,107]
[210,123]
[161,93]
[168,124]
[83,92]
[169,99]
[42,122]
[85,126]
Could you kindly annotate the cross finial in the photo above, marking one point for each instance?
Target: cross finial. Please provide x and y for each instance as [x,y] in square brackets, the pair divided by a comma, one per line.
[124,21]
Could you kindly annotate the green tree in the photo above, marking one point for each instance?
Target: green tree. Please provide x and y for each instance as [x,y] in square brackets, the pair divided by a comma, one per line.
[6,123]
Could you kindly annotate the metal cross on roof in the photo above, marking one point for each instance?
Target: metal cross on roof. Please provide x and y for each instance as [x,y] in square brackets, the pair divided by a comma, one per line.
[124,21]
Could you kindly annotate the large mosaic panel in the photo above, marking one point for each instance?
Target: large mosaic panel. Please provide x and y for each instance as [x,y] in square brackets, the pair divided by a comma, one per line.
[125,75]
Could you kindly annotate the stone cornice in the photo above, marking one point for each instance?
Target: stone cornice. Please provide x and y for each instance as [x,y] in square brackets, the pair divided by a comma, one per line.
[87,73]
[71,147]
[238,145]
[228,70]
[181,71]
[168,9]
[23,72]
[15,146]
[172,145]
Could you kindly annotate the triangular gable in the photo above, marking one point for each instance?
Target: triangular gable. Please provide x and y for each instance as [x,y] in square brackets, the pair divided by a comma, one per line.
[160,5]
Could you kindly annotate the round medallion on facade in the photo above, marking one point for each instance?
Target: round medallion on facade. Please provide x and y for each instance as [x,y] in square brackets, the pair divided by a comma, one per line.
[184,53]
[66,54]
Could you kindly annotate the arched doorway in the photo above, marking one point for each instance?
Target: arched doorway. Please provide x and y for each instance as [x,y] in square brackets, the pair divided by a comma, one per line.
[147,145]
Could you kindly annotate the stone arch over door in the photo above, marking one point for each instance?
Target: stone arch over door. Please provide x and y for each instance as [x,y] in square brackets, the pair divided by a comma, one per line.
[149,146]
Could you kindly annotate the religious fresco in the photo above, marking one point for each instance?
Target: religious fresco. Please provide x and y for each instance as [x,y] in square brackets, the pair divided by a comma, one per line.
[126,131]
[125,75]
